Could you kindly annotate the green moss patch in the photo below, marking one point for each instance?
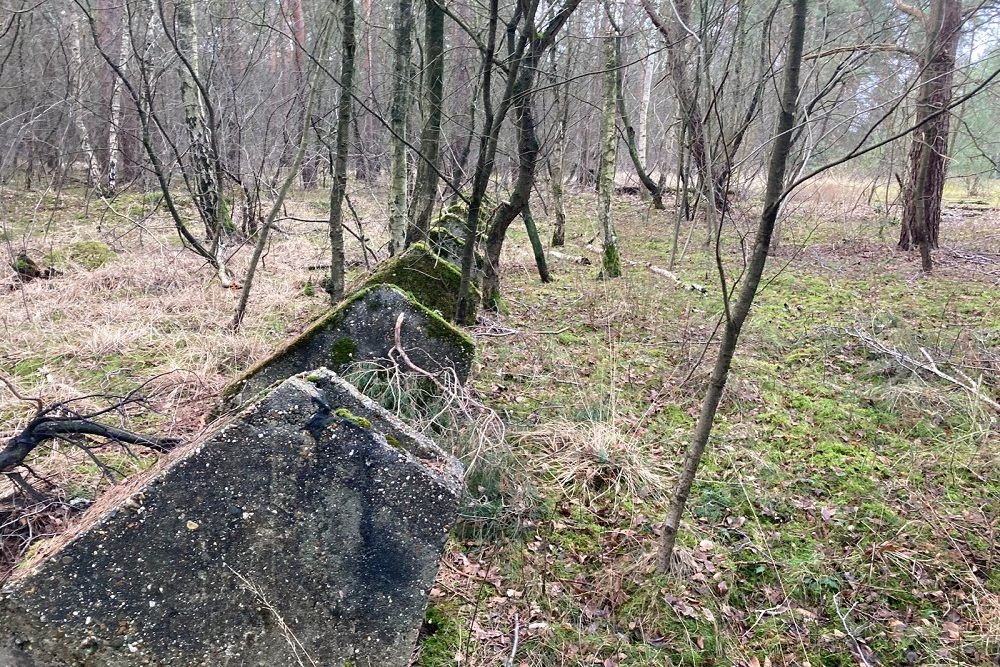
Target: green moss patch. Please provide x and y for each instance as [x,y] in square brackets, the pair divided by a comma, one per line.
[431,279]
[89,254]
[344,413]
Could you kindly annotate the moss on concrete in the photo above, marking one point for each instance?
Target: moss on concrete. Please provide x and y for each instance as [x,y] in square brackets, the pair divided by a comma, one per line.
[344,413]
[343,351]
[432,280]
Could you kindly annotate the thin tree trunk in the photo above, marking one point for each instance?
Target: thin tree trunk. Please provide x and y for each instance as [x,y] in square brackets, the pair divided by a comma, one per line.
[611,265]
[335,282]
[631,140]
[430,137]
[536,244]
[397,119]
[929,152]
[458,172]
[114,143]
[679,60]
[484,169]
[207,194]
[642,127]
[83,133]
[557,159]
[519,93]
[286,185]
[297,23]
[681,198]
[736,316]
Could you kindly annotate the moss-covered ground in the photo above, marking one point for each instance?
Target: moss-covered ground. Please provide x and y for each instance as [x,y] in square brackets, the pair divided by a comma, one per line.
[847,509]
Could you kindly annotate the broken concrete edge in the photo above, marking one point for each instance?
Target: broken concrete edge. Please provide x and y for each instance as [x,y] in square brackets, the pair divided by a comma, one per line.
[366,413]
[342,531]
[438,328]
[355,407]
[424,283]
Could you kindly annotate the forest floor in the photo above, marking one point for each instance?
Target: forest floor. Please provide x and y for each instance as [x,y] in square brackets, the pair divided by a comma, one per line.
[846,513]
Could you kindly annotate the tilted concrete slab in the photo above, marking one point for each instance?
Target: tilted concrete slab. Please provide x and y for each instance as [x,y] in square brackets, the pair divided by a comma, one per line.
[305,531]
[362,328]
[430,278]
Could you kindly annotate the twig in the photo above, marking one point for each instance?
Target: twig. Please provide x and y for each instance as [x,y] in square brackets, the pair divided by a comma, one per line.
[930,366]
[10,386]
[847,629]
[517,640]
[293,641]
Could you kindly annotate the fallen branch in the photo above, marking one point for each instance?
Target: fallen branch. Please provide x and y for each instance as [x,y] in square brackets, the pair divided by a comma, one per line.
[670,275]
[928,365]
[60,421]
[576,259]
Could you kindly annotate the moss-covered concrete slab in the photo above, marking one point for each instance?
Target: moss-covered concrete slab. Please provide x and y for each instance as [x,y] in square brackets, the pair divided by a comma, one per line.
[362,328]
[447,245]
[307,530]
[430,278]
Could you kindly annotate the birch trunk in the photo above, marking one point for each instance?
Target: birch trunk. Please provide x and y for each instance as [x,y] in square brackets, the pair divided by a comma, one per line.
[83,134]
[558,158]
[114,143]
[397,120]
[611,266]
[335,282]
[642,128]
[430,137]
[204,162]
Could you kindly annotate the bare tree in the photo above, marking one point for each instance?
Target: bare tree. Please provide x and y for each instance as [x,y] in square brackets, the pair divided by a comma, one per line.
[425,196]
[397,118]
[335,281]
[611,263]
[736,314]
[929,150]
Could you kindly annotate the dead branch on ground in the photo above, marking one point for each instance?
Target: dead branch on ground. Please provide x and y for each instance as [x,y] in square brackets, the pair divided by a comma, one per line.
[926,365]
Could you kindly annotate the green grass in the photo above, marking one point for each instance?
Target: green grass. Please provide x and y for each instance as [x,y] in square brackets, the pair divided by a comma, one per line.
[830,490]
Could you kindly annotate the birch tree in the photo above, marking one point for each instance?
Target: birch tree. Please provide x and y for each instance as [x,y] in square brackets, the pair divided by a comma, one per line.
[397,119]
[117,115]
[611,264]
[206,172]
[335,281]
[94,174]
[430,138]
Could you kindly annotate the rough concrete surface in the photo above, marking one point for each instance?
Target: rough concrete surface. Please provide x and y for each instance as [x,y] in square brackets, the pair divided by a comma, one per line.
[362,328]
[306,531]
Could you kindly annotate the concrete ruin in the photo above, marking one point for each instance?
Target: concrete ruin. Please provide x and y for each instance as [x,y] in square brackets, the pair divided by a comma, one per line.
[429,277]
[362,328]
[306,530]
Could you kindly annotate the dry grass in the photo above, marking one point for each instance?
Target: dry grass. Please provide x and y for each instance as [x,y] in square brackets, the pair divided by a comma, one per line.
[594,460]
[572,578]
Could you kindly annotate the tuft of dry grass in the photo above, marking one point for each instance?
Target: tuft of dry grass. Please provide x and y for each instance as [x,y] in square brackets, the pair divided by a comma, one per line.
[592,460]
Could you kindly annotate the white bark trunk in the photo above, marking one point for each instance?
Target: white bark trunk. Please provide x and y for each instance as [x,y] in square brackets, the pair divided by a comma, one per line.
[611,264]
[83,134]
[114,144]
[642,130]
